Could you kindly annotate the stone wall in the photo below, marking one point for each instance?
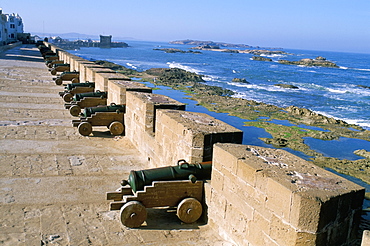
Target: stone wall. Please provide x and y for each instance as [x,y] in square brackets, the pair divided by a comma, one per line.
[261,196]
[256,196]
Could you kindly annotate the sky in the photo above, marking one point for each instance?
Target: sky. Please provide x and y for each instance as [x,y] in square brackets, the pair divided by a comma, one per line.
[328,25]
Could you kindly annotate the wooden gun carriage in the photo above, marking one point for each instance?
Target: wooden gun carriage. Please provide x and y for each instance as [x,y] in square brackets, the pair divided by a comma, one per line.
[85,100]
[169,187]
[67,76]
[61,67]
[76,88]
[110,116]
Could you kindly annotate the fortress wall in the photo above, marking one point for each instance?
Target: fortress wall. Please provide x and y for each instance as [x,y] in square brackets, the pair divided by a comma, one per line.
[267,196]
[117,89]
[256,196]
[103,76]
[91,73]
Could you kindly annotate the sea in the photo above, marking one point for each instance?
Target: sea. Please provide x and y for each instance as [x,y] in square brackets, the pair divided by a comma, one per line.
[342,93]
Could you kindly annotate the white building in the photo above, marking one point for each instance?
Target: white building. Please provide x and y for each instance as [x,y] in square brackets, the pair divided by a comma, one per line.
[11,25]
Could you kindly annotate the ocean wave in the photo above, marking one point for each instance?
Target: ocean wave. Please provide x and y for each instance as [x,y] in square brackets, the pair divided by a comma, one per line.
[362,69]
[131,65]
[343,67]
[210,78]
[184,67]
[273,55]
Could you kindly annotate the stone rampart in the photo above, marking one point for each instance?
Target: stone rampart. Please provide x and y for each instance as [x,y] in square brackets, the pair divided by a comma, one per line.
[257,196]
[261,196]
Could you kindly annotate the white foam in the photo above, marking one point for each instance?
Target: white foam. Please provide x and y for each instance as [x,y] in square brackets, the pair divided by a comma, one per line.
[131,65]
[343,67]
[184,67]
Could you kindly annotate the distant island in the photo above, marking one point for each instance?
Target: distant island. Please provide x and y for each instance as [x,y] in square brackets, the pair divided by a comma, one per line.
[256,51]
[209,43]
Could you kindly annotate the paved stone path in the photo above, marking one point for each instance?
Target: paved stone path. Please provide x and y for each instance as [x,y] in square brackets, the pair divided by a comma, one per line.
[53,180]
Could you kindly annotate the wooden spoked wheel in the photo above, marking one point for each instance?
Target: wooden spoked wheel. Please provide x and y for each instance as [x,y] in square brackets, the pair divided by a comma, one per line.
[68,97]
[189,210]
[116,128]
[58,81]
[75,110]
[53,72]
[85,128]
[133,214]
[75,80]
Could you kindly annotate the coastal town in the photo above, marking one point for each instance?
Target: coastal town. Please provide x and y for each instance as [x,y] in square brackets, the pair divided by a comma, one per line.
[59,168]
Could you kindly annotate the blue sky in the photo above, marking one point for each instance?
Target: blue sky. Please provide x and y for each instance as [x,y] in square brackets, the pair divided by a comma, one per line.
[333,25]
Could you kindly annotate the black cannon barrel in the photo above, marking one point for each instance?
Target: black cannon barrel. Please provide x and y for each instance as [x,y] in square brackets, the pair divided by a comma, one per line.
[79,96]
[183,171]
[61,65]
[69,87]
[119,108]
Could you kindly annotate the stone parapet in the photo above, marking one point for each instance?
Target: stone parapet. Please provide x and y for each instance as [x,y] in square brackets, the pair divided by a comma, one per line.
[91,73]
[103,76]
[117,89]
[190,136]
[262,196]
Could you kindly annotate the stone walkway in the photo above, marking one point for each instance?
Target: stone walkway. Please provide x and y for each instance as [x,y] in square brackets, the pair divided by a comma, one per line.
[53,180]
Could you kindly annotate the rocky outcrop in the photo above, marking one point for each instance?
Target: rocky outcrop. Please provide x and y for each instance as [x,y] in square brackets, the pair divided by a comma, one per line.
[318,61]
[240,80]
[363,153]
[209,43]
[287,86]
[173,50]
[174,74]
[311,118]
[261,58]
[363,86]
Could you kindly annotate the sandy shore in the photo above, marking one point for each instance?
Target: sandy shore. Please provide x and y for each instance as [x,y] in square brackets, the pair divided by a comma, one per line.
[53,180]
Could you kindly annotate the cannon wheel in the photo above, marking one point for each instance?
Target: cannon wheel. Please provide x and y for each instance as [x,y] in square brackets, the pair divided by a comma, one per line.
[133,214]
[75,110]
[67,97]
[189,210]
[58,81]
[116,128]
[85,128]
[50,65]
[53,71]
[75,80]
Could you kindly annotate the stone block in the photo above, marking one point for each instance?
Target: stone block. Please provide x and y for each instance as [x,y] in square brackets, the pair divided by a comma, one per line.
[91,73]
[193,126]
[278,198]
[365,238]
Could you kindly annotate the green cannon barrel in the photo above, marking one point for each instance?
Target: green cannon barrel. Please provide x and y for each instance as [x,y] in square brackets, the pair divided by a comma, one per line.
[120,108]
[183,171]
[79,96]
[69,87]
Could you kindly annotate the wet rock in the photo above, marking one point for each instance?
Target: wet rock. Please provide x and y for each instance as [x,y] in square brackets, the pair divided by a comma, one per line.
[363,153]
[261,58]
[287,86]
[240,80]
[319,61]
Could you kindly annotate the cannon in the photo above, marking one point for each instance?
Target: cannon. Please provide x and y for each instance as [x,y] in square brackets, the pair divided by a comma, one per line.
[51,57]
[50,64]
[45,50]
[67,76]
[59,67]
[75,88]
[84,100]
[110,116]
[178,186]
